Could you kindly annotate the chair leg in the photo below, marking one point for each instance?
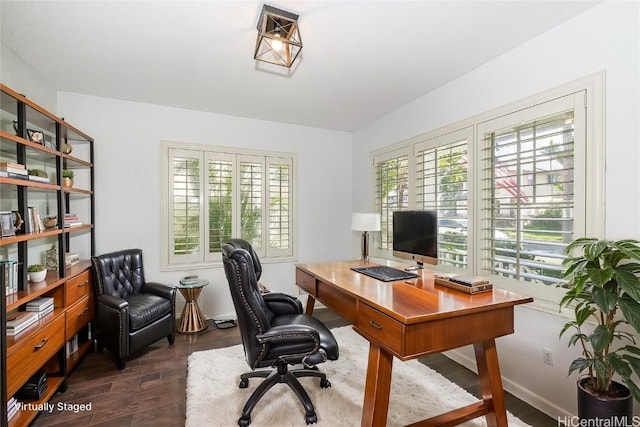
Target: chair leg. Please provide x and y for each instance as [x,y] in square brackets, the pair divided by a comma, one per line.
[122,363]
[301,373]
[281,375]
[171,338]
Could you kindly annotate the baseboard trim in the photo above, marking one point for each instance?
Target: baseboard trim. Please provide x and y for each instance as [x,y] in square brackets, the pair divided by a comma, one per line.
[515,389]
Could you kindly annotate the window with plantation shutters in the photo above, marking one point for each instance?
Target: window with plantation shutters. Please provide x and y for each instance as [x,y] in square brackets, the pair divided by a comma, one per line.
[442,186]
[392,193]
[511,187]
[530,187]
[214,194]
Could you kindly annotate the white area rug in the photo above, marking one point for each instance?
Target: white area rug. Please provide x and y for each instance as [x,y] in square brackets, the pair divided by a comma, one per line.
[417,392]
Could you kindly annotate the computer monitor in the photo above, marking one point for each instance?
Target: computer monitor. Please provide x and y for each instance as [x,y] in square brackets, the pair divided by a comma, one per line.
[415,236]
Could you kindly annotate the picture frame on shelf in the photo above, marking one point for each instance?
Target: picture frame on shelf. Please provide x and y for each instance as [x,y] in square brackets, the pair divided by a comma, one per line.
[36,136]
[49,142]
[6,224]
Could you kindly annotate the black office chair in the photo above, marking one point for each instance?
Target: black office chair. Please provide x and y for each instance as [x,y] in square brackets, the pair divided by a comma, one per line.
[275,333]
[130,312]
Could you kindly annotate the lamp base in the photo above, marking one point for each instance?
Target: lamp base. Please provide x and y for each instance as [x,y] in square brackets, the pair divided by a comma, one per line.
[365,246]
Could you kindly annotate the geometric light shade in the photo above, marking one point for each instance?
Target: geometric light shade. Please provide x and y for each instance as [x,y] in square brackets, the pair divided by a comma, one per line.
[279,40]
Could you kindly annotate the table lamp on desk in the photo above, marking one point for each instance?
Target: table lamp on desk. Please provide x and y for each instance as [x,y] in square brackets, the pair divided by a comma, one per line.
[365,222]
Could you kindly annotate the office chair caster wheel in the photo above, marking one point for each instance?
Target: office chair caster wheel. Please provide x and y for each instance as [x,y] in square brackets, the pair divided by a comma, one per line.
[244,421]
[325,383]
[244,383]
[311,418]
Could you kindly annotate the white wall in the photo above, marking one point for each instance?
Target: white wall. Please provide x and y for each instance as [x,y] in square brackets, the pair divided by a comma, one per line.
[605,37]
[19,76]
[127,166]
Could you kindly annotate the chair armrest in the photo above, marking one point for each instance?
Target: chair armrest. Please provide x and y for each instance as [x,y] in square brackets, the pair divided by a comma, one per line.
[112,302]
[160,289]
[280,303]
[294,335]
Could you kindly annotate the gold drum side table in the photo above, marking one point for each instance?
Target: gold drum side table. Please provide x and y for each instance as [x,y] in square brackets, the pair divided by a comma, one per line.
[192,319]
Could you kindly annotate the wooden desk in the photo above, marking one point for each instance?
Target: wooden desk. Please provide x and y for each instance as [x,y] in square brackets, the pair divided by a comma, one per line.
[411,318]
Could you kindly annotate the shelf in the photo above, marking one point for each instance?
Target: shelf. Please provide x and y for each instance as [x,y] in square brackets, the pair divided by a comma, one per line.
[26,353]
[23,418]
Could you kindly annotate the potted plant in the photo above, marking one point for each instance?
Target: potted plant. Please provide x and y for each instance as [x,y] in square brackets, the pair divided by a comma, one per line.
[604,291]
[37,272]
[67,178]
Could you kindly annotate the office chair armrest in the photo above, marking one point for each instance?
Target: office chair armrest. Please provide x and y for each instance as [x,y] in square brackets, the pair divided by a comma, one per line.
[280,303]
[160,289]
[301,337]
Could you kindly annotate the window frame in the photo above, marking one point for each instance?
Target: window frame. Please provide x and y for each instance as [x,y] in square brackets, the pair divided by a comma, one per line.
[591,134]
[206,259]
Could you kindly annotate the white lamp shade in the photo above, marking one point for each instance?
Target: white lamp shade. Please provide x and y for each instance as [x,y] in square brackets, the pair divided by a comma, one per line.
[365,221]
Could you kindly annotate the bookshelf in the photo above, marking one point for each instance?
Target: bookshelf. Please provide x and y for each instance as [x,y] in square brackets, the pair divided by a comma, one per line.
[35,142]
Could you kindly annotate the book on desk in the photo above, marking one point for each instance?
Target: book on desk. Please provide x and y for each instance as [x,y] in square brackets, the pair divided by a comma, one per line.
[467,284]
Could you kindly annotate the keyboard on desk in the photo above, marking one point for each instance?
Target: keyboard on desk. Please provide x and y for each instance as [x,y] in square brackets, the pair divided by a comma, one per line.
[384,273]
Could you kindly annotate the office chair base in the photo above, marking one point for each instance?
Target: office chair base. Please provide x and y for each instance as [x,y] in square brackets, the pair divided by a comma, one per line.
[281,375]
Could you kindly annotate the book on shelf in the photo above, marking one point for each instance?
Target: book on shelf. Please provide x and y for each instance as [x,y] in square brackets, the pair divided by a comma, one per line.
[13,169]
[71,220]
[5,174]
[19,321]
[71,258]
[40,304]
[37,178]
[33,221]
[12,407]
[9,276]
[11,165]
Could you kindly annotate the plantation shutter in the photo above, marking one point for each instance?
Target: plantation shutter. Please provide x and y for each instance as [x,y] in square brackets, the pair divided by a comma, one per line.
[185,216]
[220,201]
[392,193]
[442,185]
[528,191]
[280,207]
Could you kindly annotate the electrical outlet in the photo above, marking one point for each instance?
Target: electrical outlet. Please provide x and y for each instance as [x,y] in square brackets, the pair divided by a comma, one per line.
[547,356]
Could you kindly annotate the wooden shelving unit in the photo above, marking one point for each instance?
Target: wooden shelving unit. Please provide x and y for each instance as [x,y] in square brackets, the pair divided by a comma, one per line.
[45,345]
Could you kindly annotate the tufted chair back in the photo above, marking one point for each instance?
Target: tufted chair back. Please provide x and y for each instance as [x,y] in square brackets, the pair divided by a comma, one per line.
[254,316]
[121,273]
[243,244]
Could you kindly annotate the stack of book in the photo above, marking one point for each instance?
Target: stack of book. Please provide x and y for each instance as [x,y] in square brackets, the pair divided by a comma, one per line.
[41,306]
[12,407]
[9,276]
[71,220]
[13,170]
[189,280]
[19,321]
[71,258]
[33,221]
[466,284]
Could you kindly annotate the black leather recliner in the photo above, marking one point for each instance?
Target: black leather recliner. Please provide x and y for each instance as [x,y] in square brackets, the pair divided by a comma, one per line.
[275,333]
[130,313]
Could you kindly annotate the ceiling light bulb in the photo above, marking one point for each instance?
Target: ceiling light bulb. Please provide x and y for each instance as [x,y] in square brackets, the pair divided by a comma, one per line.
[277,44]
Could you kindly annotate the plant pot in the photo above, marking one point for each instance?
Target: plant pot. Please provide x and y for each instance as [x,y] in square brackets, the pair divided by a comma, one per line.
[618,409]
[67,182]
[37,276]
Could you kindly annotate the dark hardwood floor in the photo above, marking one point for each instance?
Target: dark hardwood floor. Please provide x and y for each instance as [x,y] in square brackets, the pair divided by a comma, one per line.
[151,390]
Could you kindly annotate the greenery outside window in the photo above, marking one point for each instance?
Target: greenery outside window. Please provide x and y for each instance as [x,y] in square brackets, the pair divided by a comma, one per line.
[216,193]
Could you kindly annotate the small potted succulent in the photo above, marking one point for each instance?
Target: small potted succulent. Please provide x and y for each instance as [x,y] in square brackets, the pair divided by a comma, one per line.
[67,178]
[37,272]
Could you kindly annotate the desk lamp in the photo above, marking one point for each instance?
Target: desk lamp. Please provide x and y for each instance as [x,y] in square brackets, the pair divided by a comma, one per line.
[365,222]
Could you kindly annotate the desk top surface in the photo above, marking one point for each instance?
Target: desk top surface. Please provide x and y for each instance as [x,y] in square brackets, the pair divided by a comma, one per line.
[409,300]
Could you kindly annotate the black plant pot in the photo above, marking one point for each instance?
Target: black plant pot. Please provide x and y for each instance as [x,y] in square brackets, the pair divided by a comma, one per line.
[619,409]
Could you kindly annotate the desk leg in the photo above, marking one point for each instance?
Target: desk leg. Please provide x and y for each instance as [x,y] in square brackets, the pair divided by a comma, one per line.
[310,303]
[491,383]
[377,387]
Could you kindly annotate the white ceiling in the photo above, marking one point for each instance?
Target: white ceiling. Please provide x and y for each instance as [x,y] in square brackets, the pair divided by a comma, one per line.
[361,59]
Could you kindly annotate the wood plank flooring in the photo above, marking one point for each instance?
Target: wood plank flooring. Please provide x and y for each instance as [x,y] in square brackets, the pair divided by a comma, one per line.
[151,390]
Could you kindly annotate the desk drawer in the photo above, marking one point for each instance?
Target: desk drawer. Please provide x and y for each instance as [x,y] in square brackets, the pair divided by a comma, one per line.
[337,300]
[78,316]
[77,287]
[306,281]
[380,327]
[31,354]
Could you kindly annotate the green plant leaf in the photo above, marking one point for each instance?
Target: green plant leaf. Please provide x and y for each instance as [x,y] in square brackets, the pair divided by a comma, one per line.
[600,276]
[601,338]
[619,365]
[631,248]
[630,310]
[604,299]
[594,249]
[579,365]
[634,362]
[633,388]
[628,281]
